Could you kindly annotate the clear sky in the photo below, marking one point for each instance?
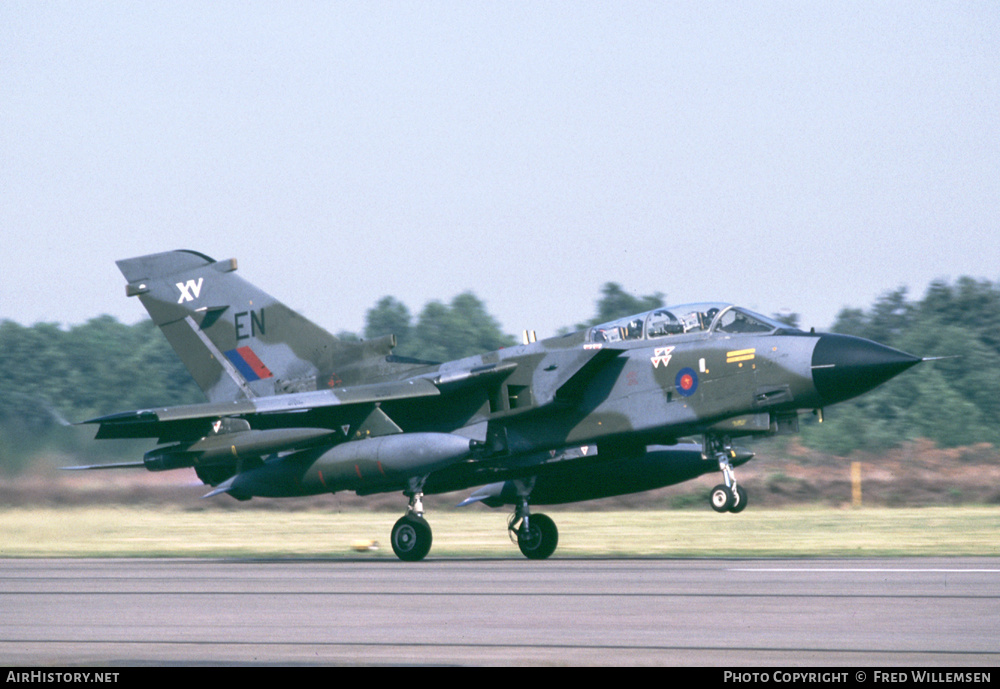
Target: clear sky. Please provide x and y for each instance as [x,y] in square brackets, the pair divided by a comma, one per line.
[783,155]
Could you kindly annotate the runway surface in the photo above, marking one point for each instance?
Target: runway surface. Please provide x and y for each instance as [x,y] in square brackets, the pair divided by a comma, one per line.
[733,613]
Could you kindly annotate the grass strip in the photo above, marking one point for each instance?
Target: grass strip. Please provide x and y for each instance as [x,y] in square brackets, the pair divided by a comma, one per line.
[797,532]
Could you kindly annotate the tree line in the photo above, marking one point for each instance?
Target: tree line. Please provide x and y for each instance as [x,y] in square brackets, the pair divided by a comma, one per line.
[953,401]
[50,375]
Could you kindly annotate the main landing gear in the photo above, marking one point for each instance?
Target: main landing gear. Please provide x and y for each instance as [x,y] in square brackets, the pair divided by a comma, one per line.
[728,496]
[411,535]
[536,534]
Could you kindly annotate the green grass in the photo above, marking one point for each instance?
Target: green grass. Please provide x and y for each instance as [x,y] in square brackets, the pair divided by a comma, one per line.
[798,532]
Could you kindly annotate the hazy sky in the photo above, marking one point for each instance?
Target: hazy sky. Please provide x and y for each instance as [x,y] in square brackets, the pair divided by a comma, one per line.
[782,155]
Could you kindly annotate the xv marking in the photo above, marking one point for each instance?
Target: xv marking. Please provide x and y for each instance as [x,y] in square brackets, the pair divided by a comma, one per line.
[190,290]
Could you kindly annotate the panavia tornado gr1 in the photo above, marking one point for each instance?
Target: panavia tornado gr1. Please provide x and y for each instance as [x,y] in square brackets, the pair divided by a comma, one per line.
[609,410]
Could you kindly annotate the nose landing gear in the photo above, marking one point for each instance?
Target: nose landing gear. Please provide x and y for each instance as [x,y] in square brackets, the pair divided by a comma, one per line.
[726,499]
[728,496]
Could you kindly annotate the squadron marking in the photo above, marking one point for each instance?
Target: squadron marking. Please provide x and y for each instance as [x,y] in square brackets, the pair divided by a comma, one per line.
[661,355]
[740,355]
[190,290]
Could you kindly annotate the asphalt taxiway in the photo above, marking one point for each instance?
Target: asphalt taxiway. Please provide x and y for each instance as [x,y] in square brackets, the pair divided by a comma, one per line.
[725,612]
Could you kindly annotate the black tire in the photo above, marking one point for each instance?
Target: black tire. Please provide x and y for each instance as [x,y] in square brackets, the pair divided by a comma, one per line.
[722,498]
[540,539]
[411,538]
[741,501]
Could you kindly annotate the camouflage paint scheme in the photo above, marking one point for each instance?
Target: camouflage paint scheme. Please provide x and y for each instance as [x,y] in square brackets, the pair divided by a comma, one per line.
[294,411]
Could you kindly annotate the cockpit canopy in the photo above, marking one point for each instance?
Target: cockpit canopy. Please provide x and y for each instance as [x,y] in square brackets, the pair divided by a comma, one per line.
[686,319]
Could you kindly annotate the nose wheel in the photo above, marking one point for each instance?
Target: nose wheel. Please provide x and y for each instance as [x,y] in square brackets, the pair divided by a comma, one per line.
[726,499]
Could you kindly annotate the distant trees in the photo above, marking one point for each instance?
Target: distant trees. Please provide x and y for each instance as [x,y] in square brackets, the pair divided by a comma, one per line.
[616,303]
[87,370]
[442,332]
[50,377]
[954,401]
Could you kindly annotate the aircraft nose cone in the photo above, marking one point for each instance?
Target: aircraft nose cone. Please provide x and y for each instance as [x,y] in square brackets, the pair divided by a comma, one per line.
[844,366]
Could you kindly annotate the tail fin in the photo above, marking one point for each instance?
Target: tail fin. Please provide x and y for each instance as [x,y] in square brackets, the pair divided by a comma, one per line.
[236,340]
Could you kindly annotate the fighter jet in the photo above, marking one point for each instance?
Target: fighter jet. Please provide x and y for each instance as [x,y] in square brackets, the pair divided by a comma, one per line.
[608,410]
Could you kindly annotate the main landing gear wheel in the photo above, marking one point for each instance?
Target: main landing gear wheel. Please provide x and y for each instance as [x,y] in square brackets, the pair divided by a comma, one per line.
[539,538]
[411,538]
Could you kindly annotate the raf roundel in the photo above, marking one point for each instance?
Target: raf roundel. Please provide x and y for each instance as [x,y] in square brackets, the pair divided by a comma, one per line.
[686,382]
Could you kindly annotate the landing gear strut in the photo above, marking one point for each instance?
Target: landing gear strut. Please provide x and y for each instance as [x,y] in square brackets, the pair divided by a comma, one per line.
[728,496]
[536,534]
[411,535]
